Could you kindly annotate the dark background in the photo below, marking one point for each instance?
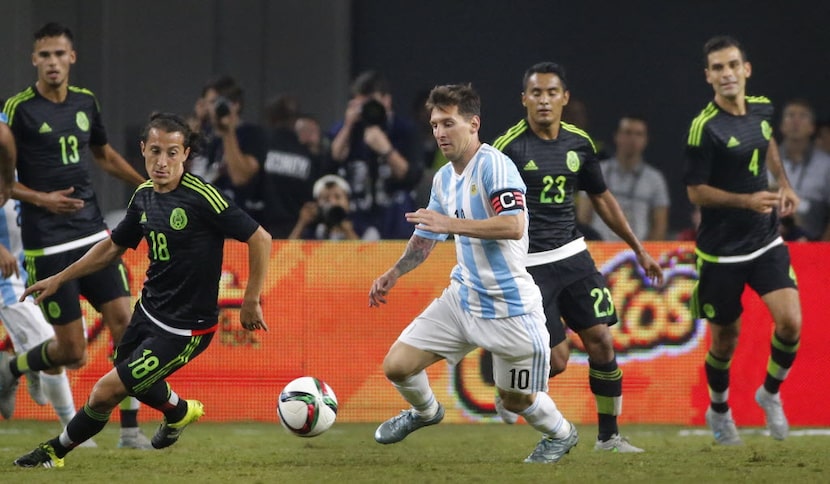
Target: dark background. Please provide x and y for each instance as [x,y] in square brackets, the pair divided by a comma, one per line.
[636,56]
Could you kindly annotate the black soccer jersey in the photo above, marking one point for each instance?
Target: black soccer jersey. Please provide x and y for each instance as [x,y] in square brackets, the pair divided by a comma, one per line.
[729,152]
[53,153]
[185,231]
[554,171]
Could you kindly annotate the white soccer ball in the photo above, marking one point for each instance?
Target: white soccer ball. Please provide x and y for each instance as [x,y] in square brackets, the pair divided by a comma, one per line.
[307,407]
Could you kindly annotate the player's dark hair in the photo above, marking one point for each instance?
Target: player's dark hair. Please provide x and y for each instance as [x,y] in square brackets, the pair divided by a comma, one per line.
[226,87]
[54,29]
[461,95]
[368,83]
[546,68]
[801,102]
[172,123]
[720,42]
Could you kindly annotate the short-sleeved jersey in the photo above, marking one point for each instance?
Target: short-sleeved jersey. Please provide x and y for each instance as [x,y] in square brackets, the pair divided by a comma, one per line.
[185,231]
[53,153]
[554,171]
[729,153]
[494,281]
[11,288]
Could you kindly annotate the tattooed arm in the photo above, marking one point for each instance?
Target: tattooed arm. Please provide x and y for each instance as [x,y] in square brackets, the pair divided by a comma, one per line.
[417,251]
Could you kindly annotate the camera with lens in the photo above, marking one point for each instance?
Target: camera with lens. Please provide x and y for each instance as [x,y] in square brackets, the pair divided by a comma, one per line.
[373,113]
[221,107]
[332,215]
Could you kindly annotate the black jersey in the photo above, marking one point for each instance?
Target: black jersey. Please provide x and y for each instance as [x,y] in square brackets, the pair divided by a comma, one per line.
[185,231]
[53,153]
[554,171]
[729,152]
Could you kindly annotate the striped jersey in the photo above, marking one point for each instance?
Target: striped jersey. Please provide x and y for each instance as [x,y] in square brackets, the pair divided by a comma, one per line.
[185,230]
[729,153]
[554,171]
[11,288]
[491,273]
[53,153]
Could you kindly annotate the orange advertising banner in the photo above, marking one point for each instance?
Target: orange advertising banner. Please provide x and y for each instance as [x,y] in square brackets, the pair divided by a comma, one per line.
[316,304]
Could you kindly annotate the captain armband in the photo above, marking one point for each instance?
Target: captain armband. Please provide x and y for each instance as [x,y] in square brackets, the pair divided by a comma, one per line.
[509,199]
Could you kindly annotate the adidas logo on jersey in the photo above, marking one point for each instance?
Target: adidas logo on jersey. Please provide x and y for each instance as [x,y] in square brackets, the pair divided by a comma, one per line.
[44,128]
[733,142]
[530,166]
[143,219]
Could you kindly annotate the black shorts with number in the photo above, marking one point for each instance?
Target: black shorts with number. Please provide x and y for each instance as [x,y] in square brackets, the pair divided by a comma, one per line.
[98,288]
[148,354]
[717,295]
[574,290]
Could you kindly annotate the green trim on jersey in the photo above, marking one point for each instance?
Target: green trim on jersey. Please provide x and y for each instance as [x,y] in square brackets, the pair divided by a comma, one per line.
[511,134]
[12,102]
[706,257]
[210,193]
[758,100]
[575,130]
[696,130]
[147,184]
[81,90]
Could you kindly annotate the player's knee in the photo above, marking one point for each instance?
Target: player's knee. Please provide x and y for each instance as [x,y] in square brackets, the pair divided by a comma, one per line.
[515,402]
[396,368]
[599,344]
[104,397]
[72,355]
[788,327]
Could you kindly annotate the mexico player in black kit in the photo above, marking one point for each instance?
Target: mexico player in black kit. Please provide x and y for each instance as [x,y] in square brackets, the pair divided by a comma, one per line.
[729,150]
[59,133]
[185,222]
[556,160]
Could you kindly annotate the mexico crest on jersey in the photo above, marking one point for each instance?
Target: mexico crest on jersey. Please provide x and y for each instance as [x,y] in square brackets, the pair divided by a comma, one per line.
[178,219]
[82,121]
[572,160]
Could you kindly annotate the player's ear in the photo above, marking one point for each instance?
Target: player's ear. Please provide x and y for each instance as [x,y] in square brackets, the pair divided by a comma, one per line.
[141,144]
[524,99]
[748,68]
[72,56]
[566,96]
[475,124]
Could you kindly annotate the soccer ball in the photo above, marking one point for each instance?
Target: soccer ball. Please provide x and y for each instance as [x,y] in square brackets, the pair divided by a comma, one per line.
[307,407]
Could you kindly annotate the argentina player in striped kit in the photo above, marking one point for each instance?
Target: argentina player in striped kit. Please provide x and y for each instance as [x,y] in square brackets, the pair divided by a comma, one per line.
[492,301]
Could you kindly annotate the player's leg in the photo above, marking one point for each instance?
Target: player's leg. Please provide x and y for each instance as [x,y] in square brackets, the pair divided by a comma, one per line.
[431,337]
[774,279]
[108,291]
[717,297]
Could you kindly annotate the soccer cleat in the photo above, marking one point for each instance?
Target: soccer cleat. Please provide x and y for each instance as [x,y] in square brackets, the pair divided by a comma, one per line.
[133,438]
[723,427]
[42,456]
[398,427]
[35,389]
[777,423]
[617,444]
[8,387]
[90,444]
[550,450]
[506,415]
[167,434]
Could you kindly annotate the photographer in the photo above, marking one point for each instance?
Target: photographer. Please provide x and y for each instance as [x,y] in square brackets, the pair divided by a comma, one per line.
[236,151]
[377,153]
[328,217]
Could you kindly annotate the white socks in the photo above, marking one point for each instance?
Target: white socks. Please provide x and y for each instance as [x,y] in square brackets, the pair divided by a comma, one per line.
[417,392]
[543,416]
[56,390]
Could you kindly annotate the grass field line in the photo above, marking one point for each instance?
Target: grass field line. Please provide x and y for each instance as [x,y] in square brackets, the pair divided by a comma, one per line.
[824,432]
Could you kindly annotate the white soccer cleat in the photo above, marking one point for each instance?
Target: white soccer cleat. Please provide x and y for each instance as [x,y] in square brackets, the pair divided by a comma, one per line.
[777,423]
[723,427]
[618,444]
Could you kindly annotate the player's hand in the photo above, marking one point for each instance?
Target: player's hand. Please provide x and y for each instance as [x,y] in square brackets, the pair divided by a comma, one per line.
[430,221]
[653,270]
[43,289]
[250,315]
[59,202]
[789,201]
[763,201]
[381,287]
[8,263]
[376,139]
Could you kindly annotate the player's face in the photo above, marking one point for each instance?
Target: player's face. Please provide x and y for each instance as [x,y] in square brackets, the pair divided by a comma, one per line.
[544,97]
[631,137]
[797,123]
[164,156]
[52,57]
[454,134]
[727,72]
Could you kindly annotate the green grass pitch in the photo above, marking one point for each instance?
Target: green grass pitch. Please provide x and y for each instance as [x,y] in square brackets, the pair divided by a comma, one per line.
[265,453]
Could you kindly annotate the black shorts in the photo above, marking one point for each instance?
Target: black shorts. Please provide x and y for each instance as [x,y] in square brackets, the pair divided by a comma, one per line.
[98,288]
[717,294]
[148,354]
[573,290]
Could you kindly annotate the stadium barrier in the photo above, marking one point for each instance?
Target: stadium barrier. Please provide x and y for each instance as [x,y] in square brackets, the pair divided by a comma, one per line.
[316,304]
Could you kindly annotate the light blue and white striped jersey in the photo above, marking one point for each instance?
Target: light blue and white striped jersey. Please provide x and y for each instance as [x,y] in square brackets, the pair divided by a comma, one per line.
[12,288]
[492,276]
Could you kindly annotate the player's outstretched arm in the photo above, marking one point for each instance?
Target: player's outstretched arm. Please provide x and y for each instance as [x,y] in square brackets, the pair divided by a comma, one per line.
[114,164]
[417,250]
[259,252]
[498,227]
[606,206]
[99,256]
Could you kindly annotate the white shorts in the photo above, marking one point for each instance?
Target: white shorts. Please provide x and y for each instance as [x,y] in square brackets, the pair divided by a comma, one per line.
[519,344]
[26,325]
